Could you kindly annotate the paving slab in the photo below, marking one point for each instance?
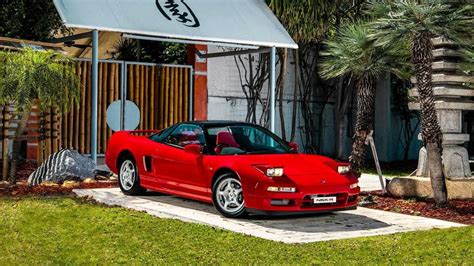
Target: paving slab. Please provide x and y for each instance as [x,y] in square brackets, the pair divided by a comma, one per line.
[293,229]
[369,182]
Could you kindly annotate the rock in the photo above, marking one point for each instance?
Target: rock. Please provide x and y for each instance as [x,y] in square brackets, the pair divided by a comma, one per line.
[70,184]
[22,182]
[63,166]
[49,184]
[89,180]
[4,184]
[366,201]
[102,172]
[421,187]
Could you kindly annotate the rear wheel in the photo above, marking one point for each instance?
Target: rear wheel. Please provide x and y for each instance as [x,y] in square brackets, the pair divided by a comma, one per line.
[129,180]
[228,197]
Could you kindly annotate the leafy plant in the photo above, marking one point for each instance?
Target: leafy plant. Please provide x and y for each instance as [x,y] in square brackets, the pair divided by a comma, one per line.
[30,77]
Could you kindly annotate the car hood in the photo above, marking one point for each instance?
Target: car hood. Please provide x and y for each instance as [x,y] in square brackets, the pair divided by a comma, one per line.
[303,169]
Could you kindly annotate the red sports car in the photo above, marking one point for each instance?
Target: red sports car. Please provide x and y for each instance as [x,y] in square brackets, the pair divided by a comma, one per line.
[239,167]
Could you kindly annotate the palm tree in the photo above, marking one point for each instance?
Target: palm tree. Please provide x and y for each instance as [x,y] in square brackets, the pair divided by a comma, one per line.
[352,53]
[418,23]
[28,78]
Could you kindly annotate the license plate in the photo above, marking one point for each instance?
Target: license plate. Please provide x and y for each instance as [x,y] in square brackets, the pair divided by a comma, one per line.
[324,200]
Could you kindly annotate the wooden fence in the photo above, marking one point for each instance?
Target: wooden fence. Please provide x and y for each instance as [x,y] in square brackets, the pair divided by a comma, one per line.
[161,92]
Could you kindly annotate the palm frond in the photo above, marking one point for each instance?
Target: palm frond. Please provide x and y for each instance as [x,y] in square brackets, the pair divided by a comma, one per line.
[46,76]
[352,52]
[405,18]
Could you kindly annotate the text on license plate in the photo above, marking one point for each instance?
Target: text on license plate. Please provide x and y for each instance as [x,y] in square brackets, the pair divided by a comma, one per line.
[324,199]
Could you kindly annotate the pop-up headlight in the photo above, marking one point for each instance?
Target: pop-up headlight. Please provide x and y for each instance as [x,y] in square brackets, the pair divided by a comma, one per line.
[270,171]
[354,185]
[343,169]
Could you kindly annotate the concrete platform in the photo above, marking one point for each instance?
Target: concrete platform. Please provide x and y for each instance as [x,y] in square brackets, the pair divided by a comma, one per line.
[300,229]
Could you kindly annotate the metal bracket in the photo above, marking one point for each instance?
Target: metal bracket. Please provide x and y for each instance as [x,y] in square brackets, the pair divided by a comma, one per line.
[370,141]
[72,37]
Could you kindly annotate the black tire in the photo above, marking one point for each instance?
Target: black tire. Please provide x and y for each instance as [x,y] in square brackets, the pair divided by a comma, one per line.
[218,200]
[132,188]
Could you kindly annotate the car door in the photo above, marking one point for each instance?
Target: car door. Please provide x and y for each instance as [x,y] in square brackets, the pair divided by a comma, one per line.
[180,170]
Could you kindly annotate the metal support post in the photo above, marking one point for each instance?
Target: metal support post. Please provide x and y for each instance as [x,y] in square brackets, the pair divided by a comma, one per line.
[95,69]
[272,84]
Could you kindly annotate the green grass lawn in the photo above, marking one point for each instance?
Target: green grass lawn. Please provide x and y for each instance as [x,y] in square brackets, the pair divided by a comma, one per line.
[399,168]
[65,230]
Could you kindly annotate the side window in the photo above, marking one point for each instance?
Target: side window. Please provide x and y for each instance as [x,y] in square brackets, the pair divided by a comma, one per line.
[184,135]
[158,137]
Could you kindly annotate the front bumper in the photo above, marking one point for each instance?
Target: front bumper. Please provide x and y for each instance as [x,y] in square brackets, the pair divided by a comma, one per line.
[301,202]
[284,213]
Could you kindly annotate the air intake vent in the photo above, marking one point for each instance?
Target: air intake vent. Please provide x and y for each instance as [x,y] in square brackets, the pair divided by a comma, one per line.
[147,163]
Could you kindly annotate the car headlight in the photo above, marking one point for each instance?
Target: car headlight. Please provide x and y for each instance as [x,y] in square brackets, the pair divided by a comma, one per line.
[270,171]
[352,186]
[343,169]
[274,172]
[282,189]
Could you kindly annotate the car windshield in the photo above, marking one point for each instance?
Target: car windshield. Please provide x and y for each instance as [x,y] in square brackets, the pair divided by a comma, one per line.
[244,139]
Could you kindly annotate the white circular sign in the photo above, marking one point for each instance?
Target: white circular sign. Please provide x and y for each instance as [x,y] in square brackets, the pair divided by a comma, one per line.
[131,115]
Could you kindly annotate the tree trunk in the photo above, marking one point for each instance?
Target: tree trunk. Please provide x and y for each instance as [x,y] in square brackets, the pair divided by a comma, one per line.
[430,130]
[364,122]
[281,87]
[341,107]
[295,95]
[23,121]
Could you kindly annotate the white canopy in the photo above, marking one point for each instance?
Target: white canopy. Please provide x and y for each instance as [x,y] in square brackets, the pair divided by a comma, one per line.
[241,22]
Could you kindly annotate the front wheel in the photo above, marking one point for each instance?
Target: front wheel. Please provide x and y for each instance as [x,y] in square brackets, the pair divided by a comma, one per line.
[129,180]
[228,197]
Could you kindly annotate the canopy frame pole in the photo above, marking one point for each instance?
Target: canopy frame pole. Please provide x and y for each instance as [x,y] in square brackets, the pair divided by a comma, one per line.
[72,38]
[234,53]
[272,87]
[185,41]
[94,96]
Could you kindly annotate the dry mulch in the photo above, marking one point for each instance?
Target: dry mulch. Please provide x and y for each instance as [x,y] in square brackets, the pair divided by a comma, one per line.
[459,211]
[22,189]
[25,168]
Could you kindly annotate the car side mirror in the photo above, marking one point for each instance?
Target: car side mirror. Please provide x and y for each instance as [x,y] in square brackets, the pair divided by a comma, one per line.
[193,149]
[293,146]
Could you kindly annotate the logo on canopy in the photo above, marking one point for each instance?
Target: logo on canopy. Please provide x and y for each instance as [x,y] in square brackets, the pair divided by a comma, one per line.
[179,11]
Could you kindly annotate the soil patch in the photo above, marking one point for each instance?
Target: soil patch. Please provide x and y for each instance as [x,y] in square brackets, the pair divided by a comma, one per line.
[459,211]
